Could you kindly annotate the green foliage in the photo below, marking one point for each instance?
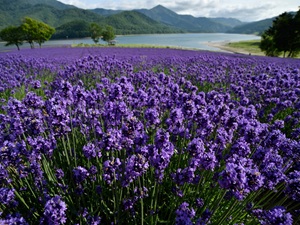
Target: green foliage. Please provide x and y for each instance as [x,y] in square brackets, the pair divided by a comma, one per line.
[36,31]
[131,22]
[96,32]
[186,23]
[257,27]
[30,30]
[267,45]
[283,36]
[12,35]
[73,29]
[108,34]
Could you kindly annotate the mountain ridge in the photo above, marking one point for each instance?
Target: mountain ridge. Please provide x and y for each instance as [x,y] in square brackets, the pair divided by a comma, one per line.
[158,19]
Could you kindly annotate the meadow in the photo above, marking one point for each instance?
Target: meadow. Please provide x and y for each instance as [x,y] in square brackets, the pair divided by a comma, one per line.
[148,136]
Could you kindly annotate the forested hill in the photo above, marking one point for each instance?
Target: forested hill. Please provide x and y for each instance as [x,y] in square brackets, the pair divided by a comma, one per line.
[140,21]
[63,16]
[51,12]
[252,28]
[132,22]
[187,22]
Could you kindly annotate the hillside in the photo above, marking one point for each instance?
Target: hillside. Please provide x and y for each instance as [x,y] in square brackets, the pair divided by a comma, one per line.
[51,12]
[132,22]
[140,21]
[187,23]
[10,5]
[230,22]
[63,17]
[253,28]
[106,12]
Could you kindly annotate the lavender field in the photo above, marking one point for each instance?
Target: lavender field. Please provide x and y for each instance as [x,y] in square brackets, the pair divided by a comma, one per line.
[148,136]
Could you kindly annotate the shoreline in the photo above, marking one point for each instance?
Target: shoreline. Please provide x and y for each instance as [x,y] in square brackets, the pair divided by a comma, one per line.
[236,50]
[224,46]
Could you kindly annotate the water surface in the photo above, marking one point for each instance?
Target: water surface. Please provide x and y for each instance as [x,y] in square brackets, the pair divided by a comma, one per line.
[186,40]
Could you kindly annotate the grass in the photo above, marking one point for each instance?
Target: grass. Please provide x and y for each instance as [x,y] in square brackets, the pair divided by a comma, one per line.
[251,46]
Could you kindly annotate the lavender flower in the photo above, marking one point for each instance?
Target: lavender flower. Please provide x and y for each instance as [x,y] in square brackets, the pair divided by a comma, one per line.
[293,185]
[14,219]
[112,170]
[184,214]
[80,174]
[240,177]
[274,216]
[55,211]
[91,151]
[7,196]
[135,167]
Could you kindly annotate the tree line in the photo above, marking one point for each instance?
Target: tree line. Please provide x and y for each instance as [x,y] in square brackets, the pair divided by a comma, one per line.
[31,31]
[34,31]
[283,37]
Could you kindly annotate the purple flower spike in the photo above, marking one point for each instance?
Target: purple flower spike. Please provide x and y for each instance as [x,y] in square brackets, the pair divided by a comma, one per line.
[14,219]
[275,216]
[55,211]
[7,196]
[184,214]
[80,174]
[91,151]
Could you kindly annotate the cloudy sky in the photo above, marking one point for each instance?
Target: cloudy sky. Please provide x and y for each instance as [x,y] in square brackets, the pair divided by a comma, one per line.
[245,10]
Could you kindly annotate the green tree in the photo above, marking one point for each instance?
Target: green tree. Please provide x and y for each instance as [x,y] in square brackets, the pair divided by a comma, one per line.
[96,32]
[30,28]
[44,33]
[73,29]
[12,35]
[283,36]
[108,34]
[267,45]
[36,31]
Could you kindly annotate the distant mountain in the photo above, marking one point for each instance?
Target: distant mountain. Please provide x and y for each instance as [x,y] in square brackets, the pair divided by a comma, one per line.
[15,4]
[132,22]
[48,14]
[230,22]
[140,21]
[257,27]
[187,23]
[106,12]
[65,17]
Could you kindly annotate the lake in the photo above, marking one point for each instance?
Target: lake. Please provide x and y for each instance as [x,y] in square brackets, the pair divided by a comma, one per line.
[185,40]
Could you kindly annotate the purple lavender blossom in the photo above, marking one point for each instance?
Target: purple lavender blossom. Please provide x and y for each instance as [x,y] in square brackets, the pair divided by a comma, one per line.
[184,214]
[7,196]
[161,153]
[152,117]
[135,166]
[293,185]
[59,174]
[274,216]
[111,140]
[199,202]
[14,219]
[4,177]
[205,217]
[91,151]
[55,211]
[240,176]
[201,158]
[112,170]
[80,174]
